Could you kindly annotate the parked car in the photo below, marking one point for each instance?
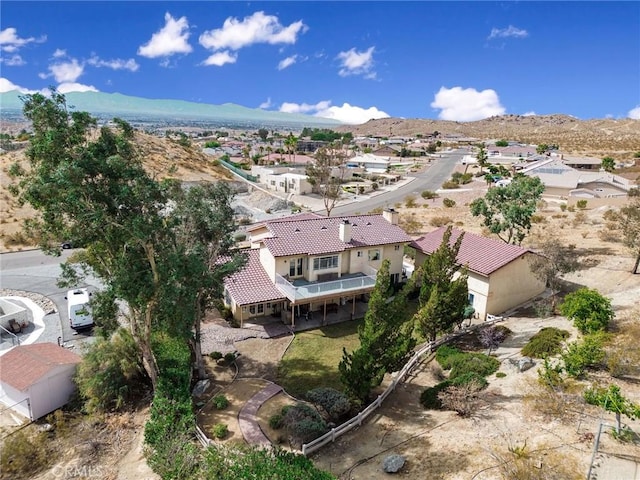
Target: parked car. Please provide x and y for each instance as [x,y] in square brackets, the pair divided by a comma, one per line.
[80,316]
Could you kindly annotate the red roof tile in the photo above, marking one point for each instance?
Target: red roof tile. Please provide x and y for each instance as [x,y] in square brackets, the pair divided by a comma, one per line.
[24,365]
[252,284]
[480,254]
[316,236]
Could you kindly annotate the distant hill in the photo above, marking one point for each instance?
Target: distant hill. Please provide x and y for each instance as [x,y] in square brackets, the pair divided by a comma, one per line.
[618,138]
[144,110]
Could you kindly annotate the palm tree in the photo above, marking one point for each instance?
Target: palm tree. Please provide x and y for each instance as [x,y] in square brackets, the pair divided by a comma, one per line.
[291,142]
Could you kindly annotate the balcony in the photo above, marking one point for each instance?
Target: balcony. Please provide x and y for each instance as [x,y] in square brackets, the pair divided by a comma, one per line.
[301,290]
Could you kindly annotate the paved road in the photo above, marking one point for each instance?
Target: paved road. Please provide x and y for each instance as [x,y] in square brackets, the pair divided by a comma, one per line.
[33,271]
[430,179]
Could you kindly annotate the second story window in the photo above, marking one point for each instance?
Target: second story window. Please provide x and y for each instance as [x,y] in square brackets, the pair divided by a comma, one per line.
[324,263]
[374,255]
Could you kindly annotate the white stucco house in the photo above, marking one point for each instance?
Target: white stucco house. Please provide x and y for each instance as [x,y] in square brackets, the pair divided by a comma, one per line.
[500,276]
[313,262]
[37,379]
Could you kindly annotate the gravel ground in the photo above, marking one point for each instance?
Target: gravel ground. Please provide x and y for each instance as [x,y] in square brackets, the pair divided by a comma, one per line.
[217,336]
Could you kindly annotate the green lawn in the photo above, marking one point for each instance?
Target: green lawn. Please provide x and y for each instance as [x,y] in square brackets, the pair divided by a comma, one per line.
[313,357]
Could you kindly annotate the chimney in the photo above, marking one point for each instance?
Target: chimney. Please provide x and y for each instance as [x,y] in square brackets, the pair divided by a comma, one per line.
[345,231]
[391,216]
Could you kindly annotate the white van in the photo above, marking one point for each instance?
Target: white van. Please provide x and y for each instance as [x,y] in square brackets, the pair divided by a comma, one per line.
[79,311]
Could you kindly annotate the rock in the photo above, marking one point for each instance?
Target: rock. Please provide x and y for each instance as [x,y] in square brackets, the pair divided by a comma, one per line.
[201,387]
[393,463]
[525,363]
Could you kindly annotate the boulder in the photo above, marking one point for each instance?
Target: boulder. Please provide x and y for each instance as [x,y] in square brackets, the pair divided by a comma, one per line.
[393,463]
[525,363]
[201,387]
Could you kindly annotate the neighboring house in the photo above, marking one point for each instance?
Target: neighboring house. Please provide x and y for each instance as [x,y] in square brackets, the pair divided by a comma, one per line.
[311,263]
[369,162]
[295,183]
[387,151]
[500,276]
[562,180]
[37,379]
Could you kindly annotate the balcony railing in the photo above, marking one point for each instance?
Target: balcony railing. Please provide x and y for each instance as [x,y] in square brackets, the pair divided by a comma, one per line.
[313,290]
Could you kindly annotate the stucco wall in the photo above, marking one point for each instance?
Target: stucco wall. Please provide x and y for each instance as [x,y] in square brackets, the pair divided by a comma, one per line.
[52,392]
[12,311]
[15,399]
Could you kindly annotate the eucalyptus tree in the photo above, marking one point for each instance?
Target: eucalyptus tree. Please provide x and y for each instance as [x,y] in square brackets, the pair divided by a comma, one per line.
[326,175]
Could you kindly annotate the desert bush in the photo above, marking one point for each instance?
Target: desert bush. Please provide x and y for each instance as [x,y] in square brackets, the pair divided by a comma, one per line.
[538,219]
[609,234]
[470,377]
[111,373]
[303,423]
[335,403]
[275,421]
[230,357]
[440,221]
[579,219]
[410,225]
[410,201]
[581,204]
[448,203]
[550,374]
[546,342]
[445,354]
[588,309]
[563,207]
[220,402]
[580,355]
[428,195]
[611,215]
[463,399]
[473,363]
[429,398]
[450,185]
[23,455]
[215,355]
[220,430]
[500,374]
[542,309]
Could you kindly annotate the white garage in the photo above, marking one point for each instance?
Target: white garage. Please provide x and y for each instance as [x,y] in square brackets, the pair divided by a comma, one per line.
[37,379]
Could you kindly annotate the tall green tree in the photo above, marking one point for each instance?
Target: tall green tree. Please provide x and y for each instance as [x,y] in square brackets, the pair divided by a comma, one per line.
[482,156]
[443,289]
[507,210]
[629,222]
[326,175]
[291,142]
[608,164]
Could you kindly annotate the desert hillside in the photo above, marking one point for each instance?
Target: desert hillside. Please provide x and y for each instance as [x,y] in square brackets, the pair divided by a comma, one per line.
[162,157]
[598,137]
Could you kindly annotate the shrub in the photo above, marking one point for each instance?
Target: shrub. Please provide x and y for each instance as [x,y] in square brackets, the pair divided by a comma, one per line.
[588,309]
[448,203]
[546,342]
[581,204]
[303,423]
[470,377]
[563,207]
[275,421]
[538,219]
[215,355]
[240,237]
[220,430]
[229,357]
[571,208]
[332,401]
[450,185]
[111,373]
[410,201]
[611,215]
[428,195]
[468,363]
[550,374]
[24,455]
[429,397]
[445,354]
[582,355]
[440,221]
[462,399]
[500,374]
[220,402]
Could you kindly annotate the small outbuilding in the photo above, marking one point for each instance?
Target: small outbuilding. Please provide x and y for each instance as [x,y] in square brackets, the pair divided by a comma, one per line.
[37,379]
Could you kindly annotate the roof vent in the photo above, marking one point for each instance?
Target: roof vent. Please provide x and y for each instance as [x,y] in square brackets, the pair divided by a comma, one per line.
[323,228]
[297,230]
[368,223]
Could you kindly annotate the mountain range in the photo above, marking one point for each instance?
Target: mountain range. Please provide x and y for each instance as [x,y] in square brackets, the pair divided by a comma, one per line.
[146,110]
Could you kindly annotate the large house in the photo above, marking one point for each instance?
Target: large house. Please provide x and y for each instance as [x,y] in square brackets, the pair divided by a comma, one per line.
[308,262]
[500,276]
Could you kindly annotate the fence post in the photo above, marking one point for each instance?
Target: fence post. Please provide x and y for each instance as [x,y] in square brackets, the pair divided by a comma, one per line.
[359,418]
[304,449]
[333,434]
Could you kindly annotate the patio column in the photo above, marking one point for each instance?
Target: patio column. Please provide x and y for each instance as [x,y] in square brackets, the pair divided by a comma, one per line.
[241,319]
[293,316]
[353,308]
[324,315]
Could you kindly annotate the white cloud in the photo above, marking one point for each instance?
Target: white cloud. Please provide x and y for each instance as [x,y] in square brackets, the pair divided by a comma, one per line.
[266,104]
[346,113]
[66,71]
[287,62]
[257,28]
[634,113]
[59,53]
[10,42]
[466,105]
[8,86]
[510,31]
[529,114]
[67,87]
[353,62]
[13,61]
[115,64]
[219,59]
[169,40]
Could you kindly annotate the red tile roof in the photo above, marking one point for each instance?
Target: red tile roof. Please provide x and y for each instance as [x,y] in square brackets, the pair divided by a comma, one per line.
[252,284]
[24,365]
[481,254]
[289,218]
[316,236]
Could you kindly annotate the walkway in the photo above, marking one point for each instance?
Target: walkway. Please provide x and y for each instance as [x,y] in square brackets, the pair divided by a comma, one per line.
[249,427]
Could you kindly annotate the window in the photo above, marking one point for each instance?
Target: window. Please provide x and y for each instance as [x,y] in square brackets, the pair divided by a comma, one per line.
[360,253]
[395,278]
[396,248]
[470,298]
[295,267]
[252,309]
[273,183]
[260,308]
[374,255]
[324,263]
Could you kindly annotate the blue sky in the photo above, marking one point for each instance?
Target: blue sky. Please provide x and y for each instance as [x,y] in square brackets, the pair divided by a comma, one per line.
[348,60]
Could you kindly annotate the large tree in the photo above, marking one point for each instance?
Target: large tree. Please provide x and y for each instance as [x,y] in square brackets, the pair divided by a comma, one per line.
[326,174]
[507,210]
[443,289]
[90,186]
[629,222]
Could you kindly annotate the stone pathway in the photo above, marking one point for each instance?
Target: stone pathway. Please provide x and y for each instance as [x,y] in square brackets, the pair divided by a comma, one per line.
[249,427]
